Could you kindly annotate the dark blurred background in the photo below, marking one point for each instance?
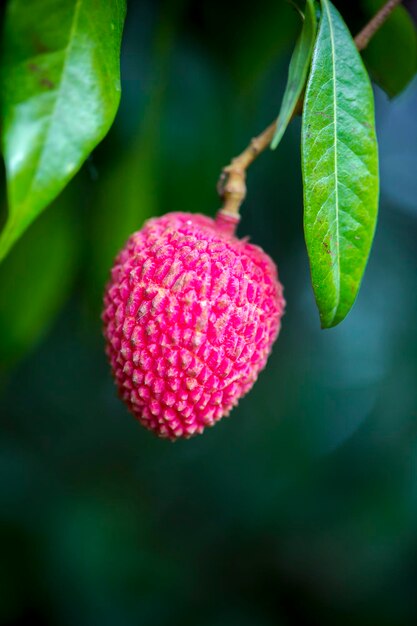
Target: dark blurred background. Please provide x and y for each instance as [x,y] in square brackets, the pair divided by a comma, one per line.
[301,508]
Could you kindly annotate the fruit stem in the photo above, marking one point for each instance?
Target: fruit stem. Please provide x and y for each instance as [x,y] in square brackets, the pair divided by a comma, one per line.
[231,186]
[232,183]
[227,222]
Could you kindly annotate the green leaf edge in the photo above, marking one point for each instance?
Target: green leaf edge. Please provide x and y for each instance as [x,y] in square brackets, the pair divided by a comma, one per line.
[297,75]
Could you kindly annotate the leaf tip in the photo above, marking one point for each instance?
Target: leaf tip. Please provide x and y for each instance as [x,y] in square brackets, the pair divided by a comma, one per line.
[333,320]
[273,144]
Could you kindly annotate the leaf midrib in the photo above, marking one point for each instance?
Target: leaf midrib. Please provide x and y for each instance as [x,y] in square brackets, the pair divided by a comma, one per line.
[336,175]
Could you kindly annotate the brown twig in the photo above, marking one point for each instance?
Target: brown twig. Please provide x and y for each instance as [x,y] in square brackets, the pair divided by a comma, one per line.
[362,39]
[232,183]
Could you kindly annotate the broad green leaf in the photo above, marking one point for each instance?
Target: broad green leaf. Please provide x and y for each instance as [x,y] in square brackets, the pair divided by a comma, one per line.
[297,72]
[35,279]
[61,90]
[391,55]
[340,168]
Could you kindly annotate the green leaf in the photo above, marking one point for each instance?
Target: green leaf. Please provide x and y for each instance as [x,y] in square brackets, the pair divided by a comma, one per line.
[340,168]
[297,72]
[391,55]
[35,279]
[61,86]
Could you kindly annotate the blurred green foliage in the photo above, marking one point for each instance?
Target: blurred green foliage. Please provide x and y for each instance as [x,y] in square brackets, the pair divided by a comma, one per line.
[36,277]
[391,55]
[302,507]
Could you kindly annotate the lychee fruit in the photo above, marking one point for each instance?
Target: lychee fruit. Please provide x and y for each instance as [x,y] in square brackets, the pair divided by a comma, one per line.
[190,316]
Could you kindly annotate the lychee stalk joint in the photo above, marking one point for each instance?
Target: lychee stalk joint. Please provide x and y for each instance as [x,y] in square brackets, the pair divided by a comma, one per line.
[232,183]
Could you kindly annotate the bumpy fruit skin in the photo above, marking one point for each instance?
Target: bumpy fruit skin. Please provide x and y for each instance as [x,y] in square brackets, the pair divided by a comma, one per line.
[190,315]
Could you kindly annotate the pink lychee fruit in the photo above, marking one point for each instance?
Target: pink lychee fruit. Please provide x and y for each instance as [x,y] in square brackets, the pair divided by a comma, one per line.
[190,316]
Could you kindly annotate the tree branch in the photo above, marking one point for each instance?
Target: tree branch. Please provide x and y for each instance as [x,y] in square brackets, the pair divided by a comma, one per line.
[231,186]
[362,39]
